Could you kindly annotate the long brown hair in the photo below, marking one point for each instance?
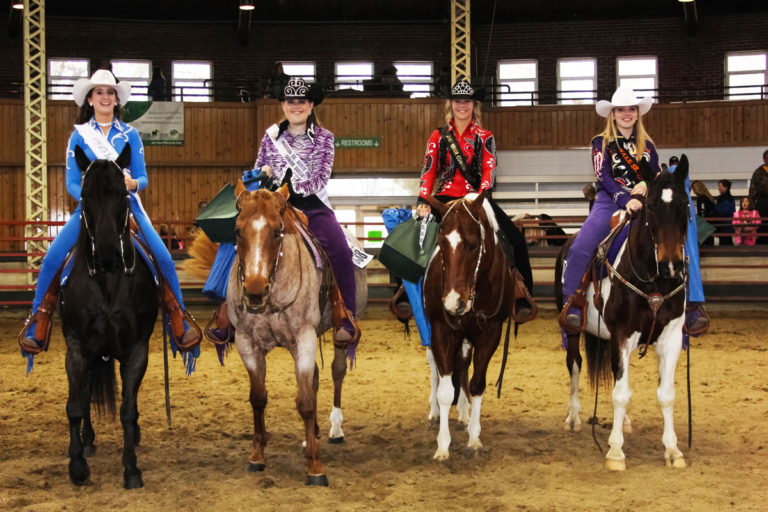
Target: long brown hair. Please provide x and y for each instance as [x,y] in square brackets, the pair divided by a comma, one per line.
[701,190]
[86,110]
[611,133]
[311,118]
[477,114]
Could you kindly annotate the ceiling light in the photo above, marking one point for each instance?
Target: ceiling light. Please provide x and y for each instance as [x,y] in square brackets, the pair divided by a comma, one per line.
[686,1]
[18,5]
[246,5]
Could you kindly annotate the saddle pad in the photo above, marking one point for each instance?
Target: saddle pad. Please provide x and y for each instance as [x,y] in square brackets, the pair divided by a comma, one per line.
[310,245]
[70,262]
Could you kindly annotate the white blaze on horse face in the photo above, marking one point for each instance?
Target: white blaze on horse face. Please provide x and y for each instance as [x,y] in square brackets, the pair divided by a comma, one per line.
[451,302]
[666,195]
[256,264]
[454,238]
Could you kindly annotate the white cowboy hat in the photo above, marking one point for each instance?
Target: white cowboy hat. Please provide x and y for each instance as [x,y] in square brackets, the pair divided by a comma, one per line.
[101,77]
[624,97]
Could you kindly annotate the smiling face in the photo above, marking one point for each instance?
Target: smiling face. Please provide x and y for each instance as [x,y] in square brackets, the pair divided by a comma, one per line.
[297,111]
[462,109]
[103,99]
[626,117]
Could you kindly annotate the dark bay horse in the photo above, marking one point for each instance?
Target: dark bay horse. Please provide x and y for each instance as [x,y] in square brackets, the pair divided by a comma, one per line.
[108,311]
[650,272]
[468,294]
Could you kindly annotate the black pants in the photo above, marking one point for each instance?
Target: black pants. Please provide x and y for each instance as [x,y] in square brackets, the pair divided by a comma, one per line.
[513,235]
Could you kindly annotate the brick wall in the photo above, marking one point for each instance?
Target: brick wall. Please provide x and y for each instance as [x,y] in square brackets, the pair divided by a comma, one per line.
[684,62]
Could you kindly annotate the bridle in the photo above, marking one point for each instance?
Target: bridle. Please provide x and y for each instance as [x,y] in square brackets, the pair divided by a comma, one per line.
[241,274]
[472,291]
[90,258]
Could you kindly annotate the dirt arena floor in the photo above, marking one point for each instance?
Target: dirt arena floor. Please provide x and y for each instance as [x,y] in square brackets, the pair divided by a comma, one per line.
[530,463]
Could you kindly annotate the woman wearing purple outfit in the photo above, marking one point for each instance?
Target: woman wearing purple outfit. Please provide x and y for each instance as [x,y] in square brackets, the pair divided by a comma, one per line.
[615,156]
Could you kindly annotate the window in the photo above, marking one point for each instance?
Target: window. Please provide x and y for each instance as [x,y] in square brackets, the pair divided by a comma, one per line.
[416,77]
[191,81]
[350,75]
[137,72]
[578,80]
[305,70]
[62,73]
[742,71]
[519,82]
[639,73]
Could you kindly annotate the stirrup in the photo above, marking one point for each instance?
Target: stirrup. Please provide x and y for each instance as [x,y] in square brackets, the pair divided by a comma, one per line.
[702,330]
[32,319]
[192,325]
[355,336]
[579,301]
[521,292]
[210,336]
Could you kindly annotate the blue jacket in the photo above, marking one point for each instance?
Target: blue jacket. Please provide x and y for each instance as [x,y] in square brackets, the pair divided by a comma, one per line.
[725,205]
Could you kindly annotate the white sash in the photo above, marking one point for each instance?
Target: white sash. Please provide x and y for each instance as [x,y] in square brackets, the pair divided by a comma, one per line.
[97,141]
[301,171]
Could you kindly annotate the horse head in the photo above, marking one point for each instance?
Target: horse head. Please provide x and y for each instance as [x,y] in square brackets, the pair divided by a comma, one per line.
[666,216]
[462,244]
[105,205]
[259,231]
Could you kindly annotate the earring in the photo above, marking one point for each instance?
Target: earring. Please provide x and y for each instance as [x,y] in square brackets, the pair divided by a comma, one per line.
[91,104]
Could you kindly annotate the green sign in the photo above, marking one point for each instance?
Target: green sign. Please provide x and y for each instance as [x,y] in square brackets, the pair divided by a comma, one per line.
[160,123]
[362,143]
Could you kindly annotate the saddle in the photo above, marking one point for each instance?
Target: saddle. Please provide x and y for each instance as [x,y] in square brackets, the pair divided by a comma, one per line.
[595,272]
[520,291]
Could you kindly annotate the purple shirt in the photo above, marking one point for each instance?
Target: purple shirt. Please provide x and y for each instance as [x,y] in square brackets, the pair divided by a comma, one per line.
[318,156]
[611,172]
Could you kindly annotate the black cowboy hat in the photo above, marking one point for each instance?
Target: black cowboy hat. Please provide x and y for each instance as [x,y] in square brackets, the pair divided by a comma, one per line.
[297,89]
[461,90]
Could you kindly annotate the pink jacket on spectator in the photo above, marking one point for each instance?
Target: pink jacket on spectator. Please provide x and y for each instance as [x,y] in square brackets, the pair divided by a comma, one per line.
[745,216]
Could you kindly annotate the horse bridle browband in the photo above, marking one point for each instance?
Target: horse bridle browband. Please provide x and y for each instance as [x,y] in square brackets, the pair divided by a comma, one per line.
[91,263]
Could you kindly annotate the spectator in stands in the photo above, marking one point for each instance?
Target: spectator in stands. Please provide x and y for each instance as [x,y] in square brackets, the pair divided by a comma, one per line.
[169,235]
[673,161]
[391,80]
[758,193]
[552,229]
[201,206]
[277,82]
[705,204]
[590,194]
[156,89]
[746,221]
[664,167]
[725,207]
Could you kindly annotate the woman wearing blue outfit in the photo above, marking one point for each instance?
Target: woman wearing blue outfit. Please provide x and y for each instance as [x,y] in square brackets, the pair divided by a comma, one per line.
[103,136]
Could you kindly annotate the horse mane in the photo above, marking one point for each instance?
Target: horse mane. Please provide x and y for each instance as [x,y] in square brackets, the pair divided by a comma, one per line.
[203,253]
[488,212]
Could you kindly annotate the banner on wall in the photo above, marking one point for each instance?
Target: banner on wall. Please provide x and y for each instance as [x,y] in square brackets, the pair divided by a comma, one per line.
[160,123]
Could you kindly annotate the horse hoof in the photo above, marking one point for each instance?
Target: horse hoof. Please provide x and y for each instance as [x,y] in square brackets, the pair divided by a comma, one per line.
[89,451]
[134,482]
[255,467]
[318,480]
[471,453]
[576,427]
[461,427]
[615,465]
[627,428]
[434,421]
[676,462]
[441,456]
[336,440]
[80,479]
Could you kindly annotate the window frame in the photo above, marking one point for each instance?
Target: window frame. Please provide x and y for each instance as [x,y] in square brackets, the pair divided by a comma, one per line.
[560,99]
[176,94]
[416,81]
[352,82]
[301,62]
[534,96]
[54,96]
[655,76]
[763,89]
[135,79]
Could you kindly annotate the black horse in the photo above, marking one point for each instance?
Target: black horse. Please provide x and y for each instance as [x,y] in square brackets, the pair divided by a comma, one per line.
[108,310]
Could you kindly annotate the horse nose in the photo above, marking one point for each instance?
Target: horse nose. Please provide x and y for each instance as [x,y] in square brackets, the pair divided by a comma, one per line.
[670,269]
[461,307]
[107,259]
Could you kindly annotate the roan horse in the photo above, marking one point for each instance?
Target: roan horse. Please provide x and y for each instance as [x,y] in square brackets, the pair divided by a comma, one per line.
[108,311]
[273,299]
[649,271]
[468,294]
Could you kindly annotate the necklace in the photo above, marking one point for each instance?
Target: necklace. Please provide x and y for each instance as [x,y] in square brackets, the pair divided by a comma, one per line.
[105,124]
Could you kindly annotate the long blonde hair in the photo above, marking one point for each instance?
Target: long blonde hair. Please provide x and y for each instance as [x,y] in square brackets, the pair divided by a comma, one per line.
[611,133]
[701,190]
[477,115]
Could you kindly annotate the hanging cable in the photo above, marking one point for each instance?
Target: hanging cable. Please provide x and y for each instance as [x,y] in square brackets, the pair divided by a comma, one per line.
[490,35]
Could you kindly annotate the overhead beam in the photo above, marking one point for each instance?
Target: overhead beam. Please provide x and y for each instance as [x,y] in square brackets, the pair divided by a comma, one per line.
[461,68]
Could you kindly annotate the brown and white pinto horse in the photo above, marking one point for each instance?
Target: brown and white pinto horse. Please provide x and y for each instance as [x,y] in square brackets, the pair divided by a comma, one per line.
[468,294]
[649,270]
[273,300]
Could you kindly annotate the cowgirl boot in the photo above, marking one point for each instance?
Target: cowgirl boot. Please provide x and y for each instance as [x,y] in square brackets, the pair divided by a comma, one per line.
[36,334]
[185,331]
[219,330]
[345,329]
[696,320]
[573,317]
[524,307]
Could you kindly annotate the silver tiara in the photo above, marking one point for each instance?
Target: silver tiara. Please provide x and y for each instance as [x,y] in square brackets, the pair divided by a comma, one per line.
[463,88]
[296,88]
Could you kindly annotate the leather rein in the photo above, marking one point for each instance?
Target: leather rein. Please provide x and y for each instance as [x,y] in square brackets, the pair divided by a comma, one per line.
[472,292]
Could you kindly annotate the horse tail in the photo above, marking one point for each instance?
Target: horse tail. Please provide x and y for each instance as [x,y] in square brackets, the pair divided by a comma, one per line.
[598,360]
[103,386]
[203,253]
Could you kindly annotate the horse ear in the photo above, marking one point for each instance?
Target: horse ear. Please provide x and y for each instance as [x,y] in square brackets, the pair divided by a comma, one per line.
[646,171]
[124,160]
[82,160]
[239,190]
[477,204]
[437,206]
[681,171]
[284,191]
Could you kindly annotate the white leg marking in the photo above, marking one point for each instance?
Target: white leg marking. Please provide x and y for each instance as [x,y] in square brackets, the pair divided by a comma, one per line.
[621,396]
[666,195]
[668,349]
[444,398]
[434,408]
[454,238]
[627,425]
[572,422]
[463,407]
[336,419]
[451,301]
[474,424]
